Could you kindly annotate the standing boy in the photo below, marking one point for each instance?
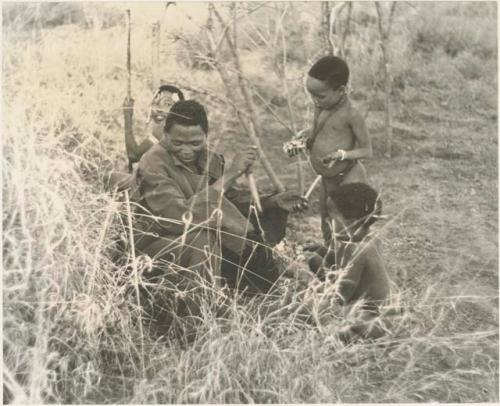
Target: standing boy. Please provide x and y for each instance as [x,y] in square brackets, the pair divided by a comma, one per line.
[339,137]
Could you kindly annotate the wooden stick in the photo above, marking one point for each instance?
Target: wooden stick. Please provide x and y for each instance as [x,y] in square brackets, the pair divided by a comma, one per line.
[155,52]
[386,65]
[253,132]
[254,191]
[311,188]
[129,68]
[136,276]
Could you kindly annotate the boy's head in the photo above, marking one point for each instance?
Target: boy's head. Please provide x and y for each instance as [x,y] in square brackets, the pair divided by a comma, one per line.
[327,80]
[358,206]
[186,130]
[163,98]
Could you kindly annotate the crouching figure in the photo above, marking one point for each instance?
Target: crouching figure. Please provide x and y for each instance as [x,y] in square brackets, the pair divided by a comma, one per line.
[353,261]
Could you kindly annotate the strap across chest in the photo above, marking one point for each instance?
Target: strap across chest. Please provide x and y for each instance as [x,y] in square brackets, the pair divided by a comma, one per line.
[319,125]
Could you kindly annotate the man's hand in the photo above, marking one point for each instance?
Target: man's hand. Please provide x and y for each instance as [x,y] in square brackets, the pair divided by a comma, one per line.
[243,162]
[289,201]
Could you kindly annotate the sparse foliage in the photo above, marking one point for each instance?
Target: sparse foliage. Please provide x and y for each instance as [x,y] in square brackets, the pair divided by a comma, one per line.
[71,317]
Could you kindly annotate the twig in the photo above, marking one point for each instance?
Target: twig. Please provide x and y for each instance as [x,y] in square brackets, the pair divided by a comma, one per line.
[325,23]
[254,191]
[291,114]
[336,10]
[136,276]
[253,127]
[346,30]
[384,40]
[313,185]
[155,52]
[129,69]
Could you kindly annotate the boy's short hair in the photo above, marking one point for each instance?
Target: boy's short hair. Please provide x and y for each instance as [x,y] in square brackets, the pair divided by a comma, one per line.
[170,89]
[331,69]
[187,113]
[159,98]
[358,201]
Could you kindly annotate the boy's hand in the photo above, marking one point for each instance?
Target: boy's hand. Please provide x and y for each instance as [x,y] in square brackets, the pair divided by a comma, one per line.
[330,159]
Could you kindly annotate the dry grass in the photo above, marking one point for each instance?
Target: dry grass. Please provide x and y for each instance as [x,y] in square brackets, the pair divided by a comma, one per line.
[71,321]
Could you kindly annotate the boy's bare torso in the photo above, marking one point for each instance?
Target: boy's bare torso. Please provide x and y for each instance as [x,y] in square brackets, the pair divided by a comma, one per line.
[335,133]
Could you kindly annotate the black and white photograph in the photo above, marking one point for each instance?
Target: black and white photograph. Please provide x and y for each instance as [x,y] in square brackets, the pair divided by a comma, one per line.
[261,202]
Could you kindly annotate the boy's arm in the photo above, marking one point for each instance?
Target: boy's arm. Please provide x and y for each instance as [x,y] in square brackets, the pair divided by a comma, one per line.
[358,126]
[134,150]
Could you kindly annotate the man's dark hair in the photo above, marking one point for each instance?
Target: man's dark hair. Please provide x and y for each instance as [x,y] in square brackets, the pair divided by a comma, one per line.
[187,113]
[170,89]
[330,69]
[358,201]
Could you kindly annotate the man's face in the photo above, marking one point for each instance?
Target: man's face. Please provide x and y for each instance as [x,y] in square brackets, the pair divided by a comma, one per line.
[324,97]
[186,142]
[159,110]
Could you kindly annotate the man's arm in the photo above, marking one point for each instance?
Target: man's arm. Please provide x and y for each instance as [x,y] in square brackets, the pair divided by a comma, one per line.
[165,198]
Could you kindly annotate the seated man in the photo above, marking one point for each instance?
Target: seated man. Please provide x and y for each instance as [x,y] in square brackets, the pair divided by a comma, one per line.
[191,215]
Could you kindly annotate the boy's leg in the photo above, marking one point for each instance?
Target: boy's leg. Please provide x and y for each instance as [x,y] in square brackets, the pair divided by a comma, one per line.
[326,221]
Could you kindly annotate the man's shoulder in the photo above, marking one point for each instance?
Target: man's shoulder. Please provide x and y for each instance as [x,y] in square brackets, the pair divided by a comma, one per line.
[153,158]
[152,154]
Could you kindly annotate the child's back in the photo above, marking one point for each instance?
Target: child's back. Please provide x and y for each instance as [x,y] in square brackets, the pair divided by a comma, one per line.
[362,281]
[364,276]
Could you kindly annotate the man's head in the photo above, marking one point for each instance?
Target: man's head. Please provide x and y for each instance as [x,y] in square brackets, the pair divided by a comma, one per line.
[163,98]
[357,206]
[186,130]
[326,81]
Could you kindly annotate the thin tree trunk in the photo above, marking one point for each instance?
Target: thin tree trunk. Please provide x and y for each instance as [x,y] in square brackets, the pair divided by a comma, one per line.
[346,30]
[155,53]
[386,66]
[325,26]
[252,127]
